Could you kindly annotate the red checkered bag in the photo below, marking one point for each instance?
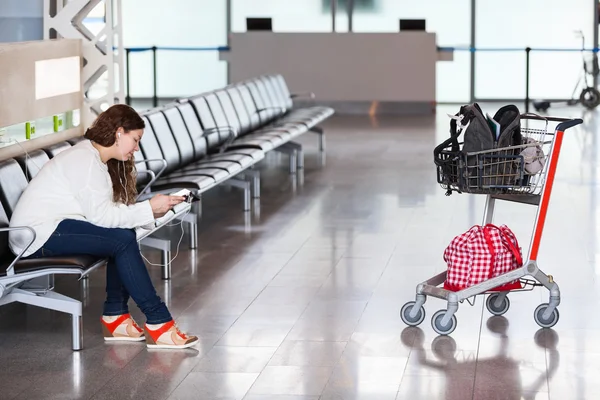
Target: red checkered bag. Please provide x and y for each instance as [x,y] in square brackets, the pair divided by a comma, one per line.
[482,253]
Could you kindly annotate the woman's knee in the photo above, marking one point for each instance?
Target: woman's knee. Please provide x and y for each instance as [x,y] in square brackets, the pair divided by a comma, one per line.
[125,237]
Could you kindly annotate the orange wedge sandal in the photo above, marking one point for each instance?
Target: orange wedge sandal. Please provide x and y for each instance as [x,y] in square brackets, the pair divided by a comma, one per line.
[168,336]
[123,329]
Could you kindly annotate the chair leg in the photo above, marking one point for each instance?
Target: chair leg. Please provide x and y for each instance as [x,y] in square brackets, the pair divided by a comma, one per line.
[164,246]
[318,130]
[192,220]
[255,178]
[165,261]
[245,186]
[292,152]
[299,153]
[77,332]
[52,301]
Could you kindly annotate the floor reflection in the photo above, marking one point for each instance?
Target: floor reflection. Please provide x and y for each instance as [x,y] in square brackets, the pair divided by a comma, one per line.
[468,375]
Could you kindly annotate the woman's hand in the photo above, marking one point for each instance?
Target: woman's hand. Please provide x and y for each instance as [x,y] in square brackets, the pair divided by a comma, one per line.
[162,203]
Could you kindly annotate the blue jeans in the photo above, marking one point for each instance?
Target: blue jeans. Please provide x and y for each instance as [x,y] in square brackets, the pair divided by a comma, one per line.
[126,273]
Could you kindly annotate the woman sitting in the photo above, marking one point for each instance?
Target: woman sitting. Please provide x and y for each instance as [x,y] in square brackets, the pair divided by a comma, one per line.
[83,201]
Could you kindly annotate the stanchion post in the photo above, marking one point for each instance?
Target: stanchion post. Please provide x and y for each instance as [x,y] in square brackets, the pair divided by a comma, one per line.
[128,97]
[154,93]
[527,52]
[595,43]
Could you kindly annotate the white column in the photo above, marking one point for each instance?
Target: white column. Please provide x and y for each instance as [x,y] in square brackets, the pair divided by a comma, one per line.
[102,52]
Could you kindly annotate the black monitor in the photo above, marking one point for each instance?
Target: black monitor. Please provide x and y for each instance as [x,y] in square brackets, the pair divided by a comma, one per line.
[259,24]
[412,25]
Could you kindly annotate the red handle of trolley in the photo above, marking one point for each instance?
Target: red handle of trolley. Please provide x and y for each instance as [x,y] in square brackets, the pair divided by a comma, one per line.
[563,125]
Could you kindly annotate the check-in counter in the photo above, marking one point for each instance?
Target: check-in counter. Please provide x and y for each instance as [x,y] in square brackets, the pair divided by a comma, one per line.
[395,72]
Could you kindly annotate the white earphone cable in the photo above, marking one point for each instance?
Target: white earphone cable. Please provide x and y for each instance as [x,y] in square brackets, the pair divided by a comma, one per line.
[127,203]
[27,156]
[180,223]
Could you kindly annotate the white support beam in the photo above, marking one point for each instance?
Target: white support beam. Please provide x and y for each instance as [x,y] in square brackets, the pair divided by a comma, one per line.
[102,52]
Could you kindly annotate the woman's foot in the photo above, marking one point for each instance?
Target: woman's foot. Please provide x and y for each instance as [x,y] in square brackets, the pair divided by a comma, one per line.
[121,328]
[167,336]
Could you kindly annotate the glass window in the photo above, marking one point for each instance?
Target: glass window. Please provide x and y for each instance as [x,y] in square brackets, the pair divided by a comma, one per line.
[193,66]
[39,127]
[449,20]
[183,23]
[453,79]
[140,74]
[95,19]
[556,75]
[288,16]
[535,24]
[179,73]
[500,75]
[21,20]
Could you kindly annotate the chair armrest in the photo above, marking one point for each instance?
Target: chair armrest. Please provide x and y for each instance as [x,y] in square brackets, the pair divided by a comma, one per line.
[10,271]
[305,94]
[152,180]
[230,138]
[259,110]
[227,128]
[154,175]
[147,171]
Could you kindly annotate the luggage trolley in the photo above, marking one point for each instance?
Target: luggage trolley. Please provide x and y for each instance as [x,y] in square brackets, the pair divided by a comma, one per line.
[501,174]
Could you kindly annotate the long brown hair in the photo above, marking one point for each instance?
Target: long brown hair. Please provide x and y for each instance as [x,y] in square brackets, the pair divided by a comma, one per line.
[103,131]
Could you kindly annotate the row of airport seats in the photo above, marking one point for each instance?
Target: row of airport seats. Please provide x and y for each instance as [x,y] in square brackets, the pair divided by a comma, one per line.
[195,143]
[218,137]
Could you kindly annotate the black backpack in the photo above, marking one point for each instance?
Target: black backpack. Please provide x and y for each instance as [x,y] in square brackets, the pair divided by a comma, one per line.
[493,166]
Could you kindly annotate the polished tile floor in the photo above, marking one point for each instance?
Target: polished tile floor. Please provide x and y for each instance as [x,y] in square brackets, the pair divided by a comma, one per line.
[300,299]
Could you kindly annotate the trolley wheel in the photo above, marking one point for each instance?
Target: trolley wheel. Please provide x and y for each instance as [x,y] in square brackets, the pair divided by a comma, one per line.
[541,105]
[405,314]
[545,323]
[491,304]
[590,98]
[436,323]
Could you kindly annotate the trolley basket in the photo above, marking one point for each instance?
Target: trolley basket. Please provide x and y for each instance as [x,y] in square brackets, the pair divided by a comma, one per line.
[516,169]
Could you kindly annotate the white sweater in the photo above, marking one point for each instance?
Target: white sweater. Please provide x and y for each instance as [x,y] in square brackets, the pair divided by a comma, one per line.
[75,184]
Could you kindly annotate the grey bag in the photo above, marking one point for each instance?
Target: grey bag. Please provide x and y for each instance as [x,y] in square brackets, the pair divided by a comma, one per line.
[477,134]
